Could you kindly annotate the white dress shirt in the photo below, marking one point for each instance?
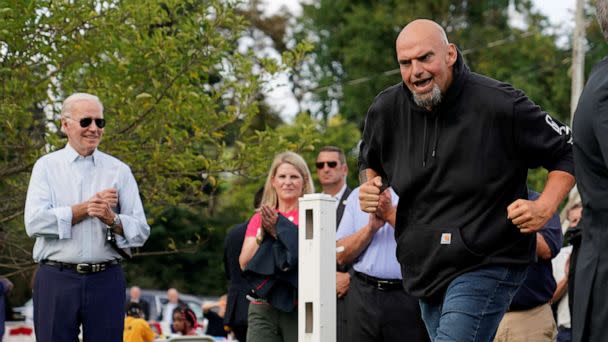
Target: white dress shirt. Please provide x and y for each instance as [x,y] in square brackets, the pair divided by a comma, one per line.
[338,196]
[62,179]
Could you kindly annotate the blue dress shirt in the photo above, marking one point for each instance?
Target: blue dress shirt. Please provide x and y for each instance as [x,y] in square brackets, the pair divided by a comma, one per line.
[379,259]
[62,179]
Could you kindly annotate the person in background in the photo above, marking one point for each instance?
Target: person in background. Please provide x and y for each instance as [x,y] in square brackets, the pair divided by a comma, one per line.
[563,272]
[135,297]
[273,315]
[530,317]
[84,210]
[136,328]
[184,321]
[171,305]
[215,319]
[379,308]
[573,237]
[237,304]
[5,287]
[332,171]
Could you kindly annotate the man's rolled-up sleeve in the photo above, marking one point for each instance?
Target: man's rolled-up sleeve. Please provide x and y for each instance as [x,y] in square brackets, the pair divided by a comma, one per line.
[42,219]
[135,227]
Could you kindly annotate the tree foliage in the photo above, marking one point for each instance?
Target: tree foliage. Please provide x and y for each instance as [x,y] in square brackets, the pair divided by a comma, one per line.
[182,99]
[354,58]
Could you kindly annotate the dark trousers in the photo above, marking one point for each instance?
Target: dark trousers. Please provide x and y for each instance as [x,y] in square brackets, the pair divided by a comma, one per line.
[65,299]
[341,321]
[390,316]
[240,332]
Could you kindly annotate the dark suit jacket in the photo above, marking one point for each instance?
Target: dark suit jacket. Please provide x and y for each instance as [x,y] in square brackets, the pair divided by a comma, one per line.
[273,271]
[341,205]
[339,214]
[590,129]
[238,305]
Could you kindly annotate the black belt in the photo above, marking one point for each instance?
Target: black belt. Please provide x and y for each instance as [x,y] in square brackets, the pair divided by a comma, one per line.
[380,284]
[82,268]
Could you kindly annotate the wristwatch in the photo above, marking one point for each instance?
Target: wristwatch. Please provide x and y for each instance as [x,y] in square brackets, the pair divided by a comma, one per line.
[116,222]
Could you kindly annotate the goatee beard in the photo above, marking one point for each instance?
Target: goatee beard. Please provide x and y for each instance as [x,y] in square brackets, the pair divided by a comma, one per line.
[429,101]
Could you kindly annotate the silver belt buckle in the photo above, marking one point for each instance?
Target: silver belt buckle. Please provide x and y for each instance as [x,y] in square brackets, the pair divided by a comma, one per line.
[83,268]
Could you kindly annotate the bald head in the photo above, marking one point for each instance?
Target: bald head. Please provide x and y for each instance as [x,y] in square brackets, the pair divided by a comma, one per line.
[172,295]
[424,29]
[426,61]
[135,293]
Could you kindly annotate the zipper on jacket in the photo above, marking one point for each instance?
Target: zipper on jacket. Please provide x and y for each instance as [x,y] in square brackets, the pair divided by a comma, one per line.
[424,142]
[425,137]
[436,136]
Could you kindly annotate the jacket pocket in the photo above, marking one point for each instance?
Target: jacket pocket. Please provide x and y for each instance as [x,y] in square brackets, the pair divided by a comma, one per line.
[431,256]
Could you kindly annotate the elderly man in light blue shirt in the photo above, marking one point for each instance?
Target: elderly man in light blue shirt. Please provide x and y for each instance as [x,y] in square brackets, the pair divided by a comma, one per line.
[84,210]
[379,308]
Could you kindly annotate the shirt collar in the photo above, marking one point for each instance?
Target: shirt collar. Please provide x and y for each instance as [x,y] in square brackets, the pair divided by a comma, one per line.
[71,155]
[339,194]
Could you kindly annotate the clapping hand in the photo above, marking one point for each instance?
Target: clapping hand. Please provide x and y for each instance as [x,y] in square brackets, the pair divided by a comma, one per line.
[101,204]
[269,219]
[109,195]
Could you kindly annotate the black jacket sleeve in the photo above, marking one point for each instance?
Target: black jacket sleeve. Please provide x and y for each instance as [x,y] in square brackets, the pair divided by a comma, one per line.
[541,140]
[370,147]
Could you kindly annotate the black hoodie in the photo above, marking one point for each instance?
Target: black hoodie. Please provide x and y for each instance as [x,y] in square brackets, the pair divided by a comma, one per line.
[456,169]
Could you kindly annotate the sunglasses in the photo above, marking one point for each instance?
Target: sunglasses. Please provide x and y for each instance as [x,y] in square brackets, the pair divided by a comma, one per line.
[321,165]
[85,122]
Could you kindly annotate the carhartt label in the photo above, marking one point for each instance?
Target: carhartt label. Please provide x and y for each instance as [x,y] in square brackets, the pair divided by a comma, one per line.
[446,238]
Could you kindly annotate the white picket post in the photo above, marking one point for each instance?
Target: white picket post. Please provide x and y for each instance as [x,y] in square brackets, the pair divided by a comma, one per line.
[317,269]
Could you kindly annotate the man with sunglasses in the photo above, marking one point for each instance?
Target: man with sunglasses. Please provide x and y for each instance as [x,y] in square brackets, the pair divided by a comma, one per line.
[332,171]
[84,210]
[379,309]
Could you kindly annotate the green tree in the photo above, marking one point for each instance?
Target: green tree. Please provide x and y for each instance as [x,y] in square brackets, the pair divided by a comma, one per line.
[182,99]
[354,57]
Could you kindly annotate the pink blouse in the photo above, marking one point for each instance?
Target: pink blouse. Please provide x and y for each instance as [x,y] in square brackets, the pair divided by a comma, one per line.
[256,221]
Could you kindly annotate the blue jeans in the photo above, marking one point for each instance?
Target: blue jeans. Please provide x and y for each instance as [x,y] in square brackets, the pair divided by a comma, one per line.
[564,334]
[473,304]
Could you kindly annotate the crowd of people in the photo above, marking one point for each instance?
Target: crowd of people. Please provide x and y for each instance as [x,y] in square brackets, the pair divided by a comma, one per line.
[175,318]
[442,241]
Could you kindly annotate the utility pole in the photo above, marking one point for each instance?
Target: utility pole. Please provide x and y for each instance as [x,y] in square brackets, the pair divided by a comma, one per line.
[578,80]
[578,57]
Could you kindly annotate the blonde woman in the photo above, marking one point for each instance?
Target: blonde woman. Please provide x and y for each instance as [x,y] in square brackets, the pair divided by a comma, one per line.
[269,253]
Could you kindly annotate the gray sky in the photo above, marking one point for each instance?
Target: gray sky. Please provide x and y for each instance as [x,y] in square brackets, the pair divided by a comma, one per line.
[558,11]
